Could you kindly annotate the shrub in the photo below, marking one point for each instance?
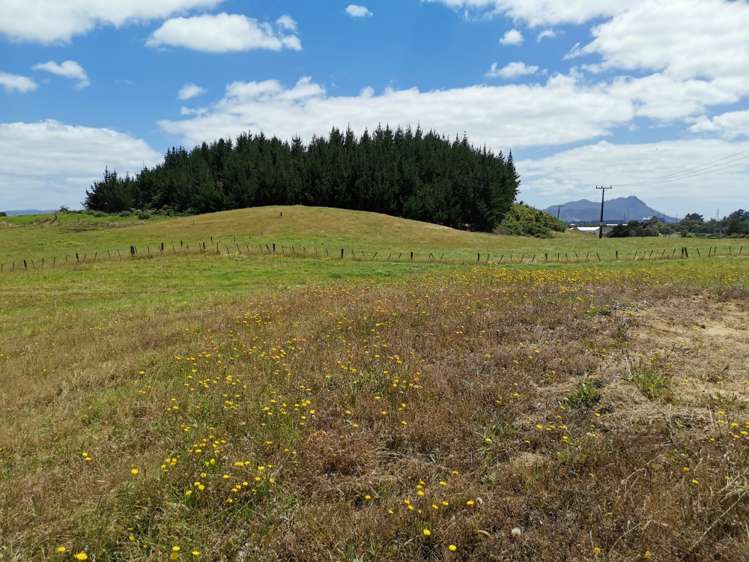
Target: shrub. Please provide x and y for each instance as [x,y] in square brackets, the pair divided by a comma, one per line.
[524,220]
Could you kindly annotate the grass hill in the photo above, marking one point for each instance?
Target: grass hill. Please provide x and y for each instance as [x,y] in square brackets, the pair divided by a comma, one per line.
[64,234]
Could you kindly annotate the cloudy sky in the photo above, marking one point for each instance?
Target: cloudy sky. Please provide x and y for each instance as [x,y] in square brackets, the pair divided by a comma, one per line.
[651,96]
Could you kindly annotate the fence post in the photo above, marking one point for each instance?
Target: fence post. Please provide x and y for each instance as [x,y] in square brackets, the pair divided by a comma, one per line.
[412,256]
[341,253]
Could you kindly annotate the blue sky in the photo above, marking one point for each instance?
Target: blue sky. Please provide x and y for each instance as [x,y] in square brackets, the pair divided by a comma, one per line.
[583,92]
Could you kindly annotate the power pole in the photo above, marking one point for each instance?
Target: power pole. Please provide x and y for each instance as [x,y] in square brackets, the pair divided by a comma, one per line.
[604,189]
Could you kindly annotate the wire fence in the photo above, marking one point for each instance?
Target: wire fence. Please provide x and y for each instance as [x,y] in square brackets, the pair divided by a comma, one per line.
[236,247]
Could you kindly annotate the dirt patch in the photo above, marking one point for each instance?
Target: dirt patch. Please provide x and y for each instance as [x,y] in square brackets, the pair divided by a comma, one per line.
[685,357]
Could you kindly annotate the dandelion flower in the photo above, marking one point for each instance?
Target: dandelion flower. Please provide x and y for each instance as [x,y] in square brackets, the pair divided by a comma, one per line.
[452,548]
[470,503]
[426,532]
[61,550]
[80,556]
[134,470]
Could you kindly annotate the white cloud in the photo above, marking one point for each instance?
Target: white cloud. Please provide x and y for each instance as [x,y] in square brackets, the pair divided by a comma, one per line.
[221,33]
[71,158]
[356,11]
[555,113]
[684,39]
[729,125]
[511,70]
[673,176]
[189,91]
[51,21]
[546,34]
[659,96]
[544,12]
[287,23]
[512,37]
[67,69]
[16,83]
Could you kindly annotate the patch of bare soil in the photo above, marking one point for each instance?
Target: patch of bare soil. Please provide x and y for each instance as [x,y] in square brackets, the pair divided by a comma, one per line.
[694,351]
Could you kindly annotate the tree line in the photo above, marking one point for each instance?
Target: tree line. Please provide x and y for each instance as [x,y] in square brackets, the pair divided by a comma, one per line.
[693,224]
[407,173]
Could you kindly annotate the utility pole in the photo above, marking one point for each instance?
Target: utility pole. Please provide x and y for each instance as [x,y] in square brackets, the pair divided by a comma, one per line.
[604,189]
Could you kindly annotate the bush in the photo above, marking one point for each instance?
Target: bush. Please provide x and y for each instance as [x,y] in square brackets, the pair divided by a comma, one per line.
[524,220]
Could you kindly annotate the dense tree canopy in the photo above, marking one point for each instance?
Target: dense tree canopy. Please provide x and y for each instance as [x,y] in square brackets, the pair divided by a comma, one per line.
[399,172]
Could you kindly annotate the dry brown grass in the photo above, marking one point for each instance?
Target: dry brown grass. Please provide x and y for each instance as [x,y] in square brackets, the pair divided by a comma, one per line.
[359,401]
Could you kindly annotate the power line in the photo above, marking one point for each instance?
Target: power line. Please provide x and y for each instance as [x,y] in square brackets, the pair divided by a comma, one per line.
[702,169]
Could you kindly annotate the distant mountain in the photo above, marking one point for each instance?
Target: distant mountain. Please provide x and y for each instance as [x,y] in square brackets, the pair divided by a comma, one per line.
[618,210]
[26,212]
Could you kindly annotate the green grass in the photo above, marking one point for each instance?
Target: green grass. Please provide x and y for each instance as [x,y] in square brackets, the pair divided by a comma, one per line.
[133,361]
[33,238]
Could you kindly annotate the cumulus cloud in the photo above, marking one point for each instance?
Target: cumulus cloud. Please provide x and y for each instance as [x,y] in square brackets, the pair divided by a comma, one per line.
[356,11]
[686,39]
[51,21]
[221,33]
[558,112]
[511,70]
[512,37]
[189,91]
[72,158]
[67,69]
[730,125]
[287,23]
[672,176]
[16,83]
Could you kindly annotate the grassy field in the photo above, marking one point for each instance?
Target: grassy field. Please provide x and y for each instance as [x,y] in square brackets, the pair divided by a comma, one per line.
[61,235]
[234,406]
